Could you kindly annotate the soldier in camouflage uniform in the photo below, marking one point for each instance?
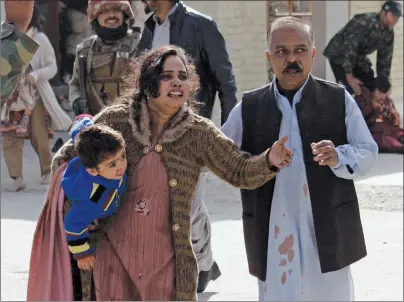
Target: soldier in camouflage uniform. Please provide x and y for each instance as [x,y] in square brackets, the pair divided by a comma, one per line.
[365,33]
[98,82]
[347,52]
[17,49]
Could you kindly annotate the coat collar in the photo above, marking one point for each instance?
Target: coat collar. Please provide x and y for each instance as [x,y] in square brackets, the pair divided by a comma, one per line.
[139,119]
[179,11]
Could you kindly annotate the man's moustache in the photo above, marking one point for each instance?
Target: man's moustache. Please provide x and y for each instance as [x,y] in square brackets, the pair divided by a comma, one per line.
[293,66]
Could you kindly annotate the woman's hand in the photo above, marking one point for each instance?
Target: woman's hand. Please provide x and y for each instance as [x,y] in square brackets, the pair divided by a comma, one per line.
[280,156]
[30,79]
[87,263]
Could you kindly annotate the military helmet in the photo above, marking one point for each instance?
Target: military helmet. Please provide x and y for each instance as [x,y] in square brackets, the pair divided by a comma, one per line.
[95,7]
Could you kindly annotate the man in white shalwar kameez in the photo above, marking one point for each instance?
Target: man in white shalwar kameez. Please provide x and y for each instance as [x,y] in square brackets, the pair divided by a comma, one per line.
[293,269]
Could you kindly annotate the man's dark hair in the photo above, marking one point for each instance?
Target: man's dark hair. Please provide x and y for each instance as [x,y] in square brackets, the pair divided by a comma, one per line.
[289,22]
[142,76]
[95,143]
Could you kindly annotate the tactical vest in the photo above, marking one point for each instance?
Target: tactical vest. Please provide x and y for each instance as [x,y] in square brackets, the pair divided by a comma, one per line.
[104,69]
[337,223]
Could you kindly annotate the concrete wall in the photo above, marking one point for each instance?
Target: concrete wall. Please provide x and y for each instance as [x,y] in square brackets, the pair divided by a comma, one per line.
[328,18]
[243,25]
[2,12]
[138,10]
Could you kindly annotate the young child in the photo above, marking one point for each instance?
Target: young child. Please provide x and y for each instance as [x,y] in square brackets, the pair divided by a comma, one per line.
[94,182]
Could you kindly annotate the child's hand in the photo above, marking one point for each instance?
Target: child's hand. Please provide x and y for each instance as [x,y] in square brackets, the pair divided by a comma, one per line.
[87,263]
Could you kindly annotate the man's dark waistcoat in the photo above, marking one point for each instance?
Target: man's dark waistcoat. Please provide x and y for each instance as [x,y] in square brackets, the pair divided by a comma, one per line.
[337,223]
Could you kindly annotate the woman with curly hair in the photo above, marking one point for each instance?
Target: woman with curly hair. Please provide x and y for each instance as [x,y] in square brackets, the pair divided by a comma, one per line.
[144,252]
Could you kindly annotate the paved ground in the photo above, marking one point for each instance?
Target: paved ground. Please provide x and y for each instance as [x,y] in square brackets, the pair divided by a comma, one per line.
[378,277]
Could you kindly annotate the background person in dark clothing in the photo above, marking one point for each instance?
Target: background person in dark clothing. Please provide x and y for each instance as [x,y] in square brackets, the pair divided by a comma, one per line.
[347,52]
[174,23]
[365,33]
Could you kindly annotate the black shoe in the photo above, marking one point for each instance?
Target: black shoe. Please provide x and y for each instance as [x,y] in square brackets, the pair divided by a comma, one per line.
[206,277]
[58,145]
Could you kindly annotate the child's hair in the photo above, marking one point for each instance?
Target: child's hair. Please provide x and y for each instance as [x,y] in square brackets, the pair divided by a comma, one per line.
[97,142]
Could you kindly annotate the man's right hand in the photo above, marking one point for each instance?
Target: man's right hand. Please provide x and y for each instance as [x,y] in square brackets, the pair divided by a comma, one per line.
[354,83]
[80,106]
[19,13]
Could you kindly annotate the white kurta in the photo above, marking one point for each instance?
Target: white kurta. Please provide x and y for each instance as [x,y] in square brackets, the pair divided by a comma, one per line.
[293,266]
[44,68]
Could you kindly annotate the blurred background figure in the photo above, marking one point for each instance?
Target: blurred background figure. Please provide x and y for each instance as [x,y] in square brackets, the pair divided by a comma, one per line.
[74,28]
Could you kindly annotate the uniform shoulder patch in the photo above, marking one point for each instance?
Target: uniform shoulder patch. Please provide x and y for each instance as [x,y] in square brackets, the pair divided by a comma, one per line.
[131,41]
[86,43]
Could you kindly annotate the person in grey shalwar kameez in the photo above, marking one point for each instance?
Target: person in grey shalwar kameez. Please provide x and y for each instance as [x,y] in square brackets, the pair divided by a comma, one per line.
[310,243]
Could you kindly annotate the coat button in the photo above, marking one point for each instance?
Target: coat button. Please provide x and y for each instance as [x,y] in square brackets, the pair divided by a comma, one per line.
[176,227]
[173,182]
[158,148]
[146,150]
